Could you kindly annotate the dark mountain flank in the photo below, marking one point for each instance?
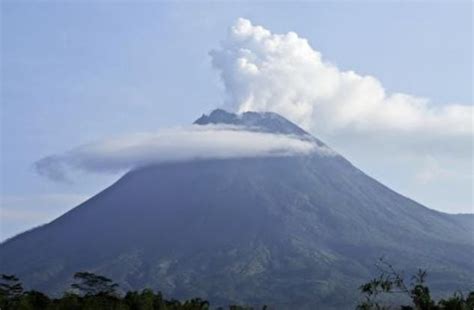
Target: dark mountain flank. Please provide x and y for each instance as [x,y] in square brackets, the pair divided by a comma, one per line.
[294,231]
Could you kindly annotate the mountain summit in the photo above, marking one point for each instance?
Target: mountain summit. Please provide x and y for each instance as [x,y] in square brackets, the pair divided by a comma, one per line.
[299,231]
[264,121]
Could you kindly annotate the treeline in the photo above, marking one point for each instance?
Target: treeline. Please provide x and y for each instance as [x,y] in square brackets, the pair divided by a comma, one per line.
[390,287]
[90,291]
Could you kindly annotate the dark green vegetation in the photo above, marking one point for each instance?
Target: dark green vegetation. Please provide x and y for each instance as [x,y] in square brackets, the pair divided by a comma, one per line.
[292,232]
[393,284]
[91,291]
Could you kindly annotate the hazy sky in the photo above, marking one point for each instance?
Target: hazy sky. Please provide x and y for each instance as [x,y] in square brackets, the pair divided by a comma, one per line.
[79,72]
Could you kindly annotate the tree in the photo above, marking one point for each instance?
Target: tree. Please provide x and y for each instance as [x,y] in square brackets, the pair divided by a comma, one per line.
[90,284]
[10,290]
[391,281]
[10,286]
[195,304]
[33,300]
[69,301]
[146,300]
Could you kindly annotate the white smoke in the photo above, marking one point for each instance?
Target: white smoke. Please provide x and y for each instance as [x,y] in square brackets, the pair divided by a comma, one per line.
[178,144]
[282,73]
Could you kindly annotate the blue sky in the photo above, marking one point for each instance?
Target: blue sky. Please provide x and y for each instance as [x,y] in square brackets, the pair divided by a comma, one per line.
[76,72]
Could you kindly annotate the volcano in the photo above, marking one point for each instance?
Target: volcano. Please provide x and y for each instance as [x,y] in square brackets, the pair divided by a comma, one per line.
[290,231]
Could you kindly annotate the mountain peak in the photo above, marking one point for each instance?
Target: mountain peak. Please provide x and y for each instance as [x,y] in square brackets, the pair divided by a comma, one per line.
[260,121]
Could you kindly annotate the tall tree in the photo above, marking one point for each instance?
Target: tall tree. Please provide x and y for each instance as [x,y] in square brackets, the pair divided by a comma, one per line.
[11,290]
[89,284]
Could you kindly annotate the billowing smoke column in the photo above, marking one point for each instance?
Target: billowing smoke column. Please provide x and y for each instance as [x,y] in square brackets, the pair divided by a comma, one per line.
[282,73]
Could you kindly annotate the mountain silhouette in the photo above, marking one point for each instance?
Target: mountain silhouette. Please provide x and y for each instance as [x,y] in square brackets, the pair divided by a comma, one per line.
[301,231]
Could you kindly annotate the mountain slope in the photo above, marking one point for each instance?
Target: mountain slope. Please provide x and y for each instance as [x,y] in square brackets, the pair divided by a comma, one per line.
[299,230]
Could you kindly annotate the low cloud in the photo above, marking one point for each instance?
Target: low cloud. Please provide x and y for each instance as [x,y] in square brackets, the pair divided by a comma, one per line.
[178,144]
[282,73]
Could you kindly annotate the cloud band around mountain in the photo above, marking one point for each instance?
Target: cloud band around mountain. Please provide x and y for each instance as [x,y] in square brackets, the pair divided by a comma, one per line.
[169,145]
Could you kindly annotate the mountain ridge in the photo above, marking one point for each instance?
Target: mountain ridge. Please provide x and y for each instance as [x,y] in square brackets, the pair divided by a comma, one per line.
[262,121]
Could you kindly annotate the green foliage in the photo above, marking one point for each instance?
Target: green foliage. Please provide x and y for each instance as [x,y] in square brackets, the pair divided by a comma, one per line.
[98,292]
[10,286]
[92,284]
[391,282]
[145,300]
[10,291]
[68,301]
[90,292]
[33,300]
